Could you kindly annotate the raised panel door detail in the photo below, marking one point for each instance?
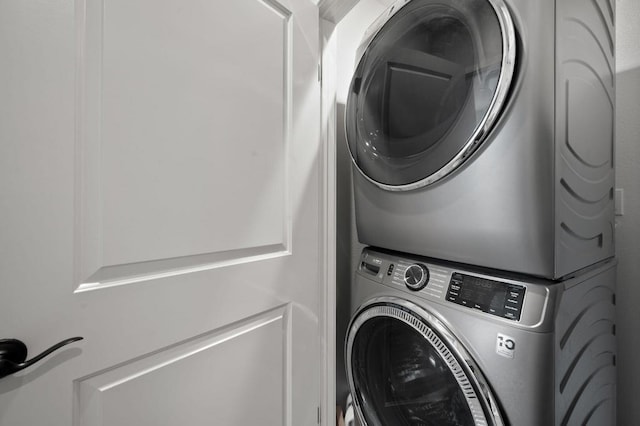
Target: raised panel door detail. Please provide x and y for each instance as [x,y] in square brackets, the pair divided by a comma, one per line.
[247,363]
[182,131]
[219,332]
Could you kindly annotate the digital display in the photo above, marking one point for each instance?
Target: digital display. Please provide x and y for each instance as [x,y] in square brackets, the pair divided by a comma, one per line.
[493,297]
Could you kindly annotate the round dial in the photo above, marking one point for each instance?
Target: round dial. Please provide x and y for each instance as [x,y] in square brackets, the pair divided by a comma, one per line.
[416,276]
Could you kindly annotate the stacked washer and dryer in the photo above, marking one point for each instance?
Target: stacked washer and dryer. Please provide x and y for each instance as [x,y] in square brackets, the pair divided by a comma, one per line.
[481,133]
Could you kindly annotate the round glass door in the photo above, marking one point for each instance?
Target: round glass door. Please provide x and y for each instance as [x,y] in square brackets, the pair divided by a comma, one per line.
[402,372]
[428,88]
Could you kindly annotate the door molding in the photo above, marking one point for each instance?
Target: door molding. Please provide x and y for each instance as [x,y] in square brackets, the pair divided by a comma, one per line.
[331,13]
[328,77]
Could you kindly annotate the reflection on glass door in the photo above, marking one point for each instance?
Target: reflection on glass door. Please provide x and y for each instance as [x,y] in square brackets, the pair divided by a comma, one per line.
[428,87]
[406,368]
[403,380]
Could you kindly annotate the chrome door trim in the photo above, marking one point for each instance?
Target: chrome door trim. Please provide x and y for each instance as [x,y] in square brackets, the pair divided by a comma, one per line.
[498,101]
[464,369]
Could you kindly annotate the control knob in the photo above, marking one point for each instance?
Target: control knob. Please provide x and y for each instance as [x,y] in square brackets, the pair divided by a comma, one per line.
[416,276]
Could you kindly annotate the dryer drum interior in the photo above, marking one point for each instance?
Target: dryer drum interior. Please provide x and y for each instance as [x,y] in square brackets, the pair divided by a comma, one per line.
[408,369]
[428,88]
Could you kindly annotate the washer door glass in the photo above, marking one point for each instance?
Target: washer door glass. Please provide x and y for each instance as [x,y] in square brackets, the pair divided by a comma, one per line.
[427,89]
[402,372]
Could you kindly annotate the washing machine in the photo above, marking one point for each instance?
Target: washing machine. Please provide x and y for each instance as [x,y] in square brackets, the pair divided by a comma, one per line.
[435,343]
[481,132]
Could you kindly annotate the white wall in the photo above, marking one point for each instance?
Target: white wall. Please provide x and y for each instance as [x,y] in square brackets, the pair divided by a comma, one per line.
[349,32]
[628,225]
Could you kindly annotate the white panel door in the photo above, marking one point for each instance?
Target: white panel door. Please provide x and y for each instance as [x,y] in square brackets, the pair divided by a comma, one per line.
[161,196]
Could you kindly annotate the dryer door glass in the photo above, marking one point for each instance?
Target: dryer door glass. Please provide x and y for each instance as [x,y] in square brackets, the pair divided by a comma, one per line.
[428,88]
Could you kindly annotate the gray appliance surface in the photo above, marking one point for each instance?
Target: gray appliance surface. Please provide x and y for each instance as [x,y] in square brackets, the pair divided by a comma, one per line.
[559,365]
[536,197]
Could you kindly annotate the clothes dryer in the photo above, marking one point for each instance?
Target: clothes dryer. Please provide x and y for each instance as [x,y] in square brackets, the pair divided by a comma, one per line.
[433,343]
[481,132]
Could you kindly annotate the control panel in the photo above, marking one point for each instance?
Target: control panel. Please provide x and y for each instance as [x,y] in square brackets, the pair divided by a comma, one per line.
[523,303]
[493,297]
[429,281]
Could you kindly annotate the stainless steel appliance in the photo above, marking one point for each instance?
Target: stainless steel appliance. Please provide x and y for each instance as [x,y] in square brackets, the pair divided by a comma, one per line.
[481,132]
[437,343]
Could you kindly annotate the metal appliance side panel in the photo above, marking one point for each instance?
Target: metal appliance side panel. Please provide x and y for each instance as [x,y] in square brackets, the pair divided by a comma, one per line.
[585,99]
[586,350]
[497,210]
[523,384]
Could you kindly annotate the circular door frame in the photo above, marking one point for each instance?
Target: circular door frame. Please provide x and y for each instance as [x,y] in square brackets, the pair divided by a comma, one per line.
[451,350]
[498,101]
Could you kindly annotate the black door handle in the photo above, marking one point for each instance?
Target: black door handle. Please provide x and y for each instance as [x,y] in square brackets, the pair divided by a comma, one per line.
[13,355]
